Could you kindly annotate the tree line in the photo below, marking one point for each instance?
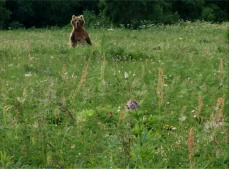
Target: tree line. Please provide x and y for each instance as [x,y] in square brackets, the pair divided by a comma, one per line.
[43,13]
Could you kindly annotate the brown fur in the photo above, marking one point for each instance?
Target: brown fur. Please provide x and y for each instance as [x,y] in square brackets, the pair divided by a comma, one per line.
[78,34]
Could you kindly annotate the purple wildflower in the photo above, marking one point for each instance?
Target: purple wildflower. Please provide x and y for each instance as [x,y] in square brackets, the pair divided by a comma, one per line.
[132,104]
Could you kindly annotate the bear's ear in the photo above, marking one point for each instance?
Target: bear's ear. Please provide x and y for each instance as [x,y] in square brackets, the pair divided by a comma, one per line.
[81,16]
[73,16]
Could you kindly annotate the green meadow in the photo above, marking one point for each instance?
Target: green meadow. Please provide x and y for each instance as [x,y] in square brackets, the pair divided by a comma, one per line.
[63,107]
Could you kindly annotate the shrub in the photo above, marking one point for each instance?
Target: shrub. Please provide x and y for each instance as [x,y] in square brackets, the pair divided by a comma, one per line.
[15,25]
[95,21]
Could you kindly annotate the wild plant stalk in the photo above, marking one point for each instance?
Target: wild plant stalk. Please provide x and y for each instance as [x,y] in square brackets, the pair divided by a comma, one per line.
[63,72]
[200,104]
[221,72]
[140,128]
[220,118]
[126,147]
[103,66]
[191,146]
[125,136]
[0,89]
[83,78]
[226,135]
[43,139]
[143,70]
[219,106]
[216,118]
[131,105]
[55,157]
[29,50]
[160,85]
[128,86]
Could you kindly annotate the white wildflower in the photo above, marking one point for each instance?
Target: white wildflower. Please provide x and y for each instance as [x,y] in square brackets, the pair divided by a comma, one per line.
[183,118]
[174,128]
[126,75]
[119,108]
[28,74]
[216,108]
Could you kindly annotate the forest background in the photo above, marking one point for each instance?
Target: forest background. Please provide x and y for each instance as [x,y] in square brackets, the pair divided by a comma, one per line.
[104,13]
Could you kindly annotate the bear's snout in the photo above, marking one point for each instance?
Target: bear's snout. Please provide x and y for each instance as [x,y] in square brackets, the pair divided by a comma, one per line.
[77,23]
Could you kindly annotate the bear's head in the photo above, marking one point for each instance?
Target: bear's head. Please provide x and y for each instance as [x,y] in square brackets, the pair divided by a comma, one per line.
[77,21]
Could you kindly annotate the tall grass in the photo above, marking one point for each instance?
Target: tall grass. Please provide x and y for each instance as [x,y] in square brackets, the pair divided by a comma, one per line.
[64,107]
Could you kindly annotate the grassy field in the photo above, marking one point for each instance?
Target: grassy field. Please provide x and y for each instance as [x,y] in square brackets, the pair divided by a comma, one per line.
[63,107]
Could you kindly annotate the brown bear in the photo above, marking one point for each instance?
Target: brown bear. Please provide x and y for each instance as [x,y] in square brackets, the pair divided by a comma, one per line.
[78,35]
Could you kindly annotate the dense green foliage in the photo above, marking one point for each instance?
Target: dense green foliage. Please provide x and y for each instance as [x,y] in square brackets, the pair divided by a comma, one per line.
[39,13]
[65,107]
